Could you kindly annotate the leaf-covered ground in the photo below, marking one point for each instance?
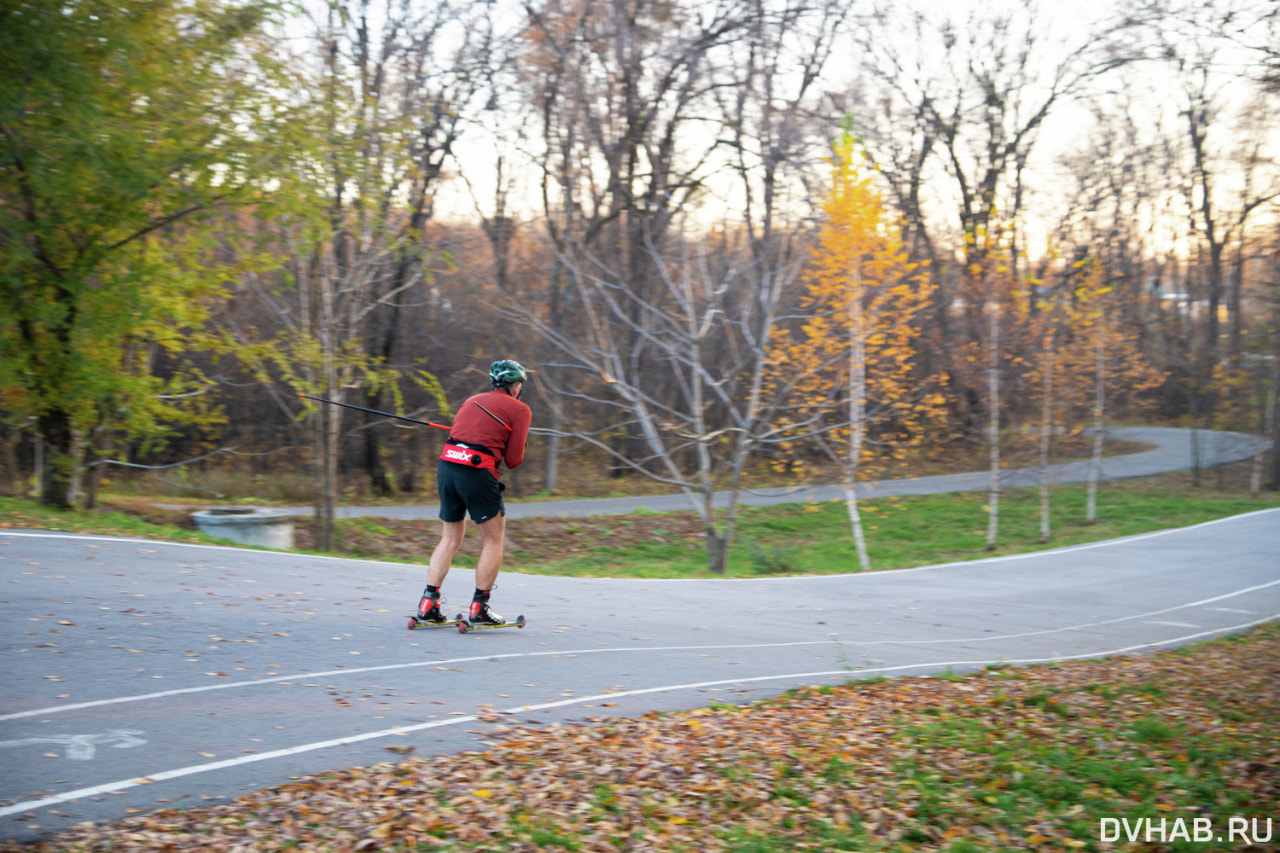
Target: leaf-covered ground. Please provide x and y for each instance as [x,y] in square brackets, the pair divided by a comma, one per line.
[1005,759]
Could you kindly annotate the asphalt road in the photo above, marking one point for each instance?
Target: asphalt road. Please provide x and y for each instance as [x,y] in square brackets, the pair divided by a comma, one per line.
[141,674]
[1171,451]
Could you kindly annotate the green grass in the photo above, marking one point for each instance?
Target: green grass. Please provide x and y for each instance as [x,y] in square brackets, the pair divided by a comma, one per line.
[363,523]
[977,772]
[817,539]
[1073,767]
[32,515]
[792,539]
[19,513]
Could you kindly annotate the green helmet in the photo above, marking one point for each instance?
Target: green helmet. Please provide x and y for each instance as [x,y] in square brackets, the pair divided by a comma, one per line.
[504,373]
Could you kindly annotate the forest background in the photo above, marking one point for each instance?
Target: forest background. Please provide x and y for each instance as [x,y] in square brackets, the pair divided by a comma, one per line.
[733,238]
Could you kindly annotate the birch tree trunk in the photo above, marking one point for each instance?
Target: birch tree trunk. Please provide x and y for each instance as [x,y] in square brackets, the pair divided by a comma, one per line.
[1046,428]
[1099,403]
[1273,415]
[857,393]
[993,392]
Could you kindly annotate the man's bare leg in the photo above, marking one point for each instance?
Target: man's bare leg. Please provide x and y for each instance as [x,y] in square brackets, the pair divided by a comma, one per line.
[442,556]
[491,535]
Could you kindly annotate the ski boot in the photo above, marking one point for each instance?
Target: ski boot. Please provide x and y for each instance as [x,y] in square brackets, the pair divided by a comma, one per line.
[482,618]
[482,615]
[429,614]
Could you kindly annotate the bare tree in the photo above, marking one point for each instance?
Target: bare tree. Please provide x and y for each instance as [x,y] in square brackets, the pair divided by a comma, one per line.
[970,97]
[1046,431]
[649,111]
[1224,174]
[385,92]
[619,88]
[977,92]
[418,74]
[684,368]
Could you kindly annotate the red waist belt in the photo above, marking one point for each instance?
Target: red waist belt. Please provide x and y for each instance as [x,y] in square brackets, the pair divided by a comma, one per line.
[470,456]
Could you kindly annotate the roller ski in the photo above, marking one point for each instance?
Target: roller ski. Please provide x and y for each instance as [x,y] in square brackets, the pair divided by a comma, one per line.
[429,615]
[416,622]
[482,618]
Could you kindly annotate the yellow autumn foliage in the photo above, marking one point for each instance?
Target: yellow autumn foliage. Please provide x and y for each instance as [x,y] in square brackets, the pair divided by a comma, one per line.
[862,300]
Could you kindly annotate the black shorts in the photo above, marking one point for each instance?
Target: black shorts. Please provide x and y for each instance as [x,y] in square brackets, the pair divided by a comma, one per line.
[464,490]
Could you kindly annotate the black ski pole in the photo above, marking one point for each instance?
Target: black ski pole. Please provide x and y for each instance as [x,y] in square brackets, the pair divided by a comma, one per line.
[375,412]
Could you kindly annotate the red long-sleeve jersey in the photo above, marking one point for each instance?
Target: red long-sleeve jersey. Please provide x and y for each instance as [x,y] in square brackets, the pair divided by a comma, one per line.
[473,425]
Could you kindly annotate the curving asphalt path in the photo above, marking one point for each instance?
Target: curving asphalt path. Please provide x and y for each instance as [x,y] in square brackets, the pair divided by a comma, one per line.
[1170,451]
[142,674]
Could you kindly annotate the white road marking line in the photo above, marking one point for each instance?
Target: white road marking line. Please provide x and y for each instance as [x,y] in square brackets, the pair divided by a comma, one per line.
[1087,625]
[1170,624]
[166,775]
[183,691]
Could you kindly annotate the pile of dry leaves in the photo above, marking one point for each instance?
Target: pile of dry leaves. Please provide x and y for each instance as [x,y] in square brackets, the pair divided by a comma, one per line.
[1003,759]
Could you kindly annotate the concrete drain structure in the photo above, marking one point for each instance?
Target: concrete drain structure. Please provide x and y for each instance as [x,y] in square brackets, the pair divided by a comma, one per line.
[268,528]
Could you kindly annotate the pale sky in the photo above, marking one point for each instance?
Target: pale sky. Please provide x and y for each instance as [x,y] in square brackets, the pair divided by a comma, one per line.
[1067,128]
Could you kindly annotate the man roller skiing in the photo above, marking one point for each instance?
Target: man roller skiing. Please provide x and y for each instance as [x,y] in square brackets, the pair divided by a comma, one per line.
[489,429]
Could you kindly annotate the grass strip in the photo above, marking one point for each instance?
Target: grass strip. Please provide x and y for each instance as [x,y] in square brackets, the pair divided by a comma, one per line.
[796,539]
[790,539]
[18,513]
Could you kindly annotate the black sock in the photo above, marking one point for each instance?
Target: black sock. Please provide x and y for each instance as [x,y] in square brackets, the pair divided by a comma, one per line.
[431,591]
[481,595]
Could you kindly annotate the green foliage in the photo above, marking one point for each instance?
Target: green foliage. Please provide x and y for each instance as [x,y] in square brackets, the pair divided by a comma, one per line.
[119,125]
